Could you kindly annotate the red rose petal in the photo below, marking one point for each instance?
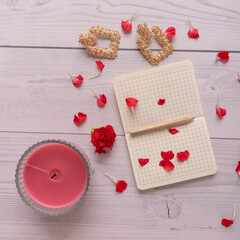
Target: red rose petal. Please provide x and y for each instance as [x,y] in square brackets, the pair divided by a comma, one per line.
[167,165]
[227,222]
[221,112]
[238,75]
[238,168]
[126,25]
[182,156]
[143,161]
[169,155]
[79,117]
[131,102]
[101,100]
[173,131]
[100,65]
[120,186]
[170,32]
[193,32]
[223,56]
[161,101]
[76,80]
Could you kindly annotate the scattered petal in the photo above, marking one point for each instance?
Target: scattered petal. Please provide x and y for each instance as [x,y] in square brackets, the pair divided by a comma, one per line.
[182,156]
[121,185]
[228,222]
[79,117]
[238,168]
[100,66]
[170,32]
[173,131]
[221,112]
[169,155]
[103,137]
[131,102]
[193,32]
[161,101]
[101,98]
[238,75]
[166,164]
[143,161]
[76,80]
[223,56]
[127,25]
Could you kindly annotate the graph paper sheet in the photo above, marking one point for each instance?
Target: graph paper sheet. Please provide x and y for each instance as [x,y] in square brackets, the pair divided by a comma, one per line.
[177,84]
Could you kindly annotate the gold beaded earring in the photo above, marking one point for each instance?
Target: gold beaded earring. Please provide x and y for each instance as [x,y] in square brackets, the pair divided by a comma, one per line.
[146,35]
[89,40]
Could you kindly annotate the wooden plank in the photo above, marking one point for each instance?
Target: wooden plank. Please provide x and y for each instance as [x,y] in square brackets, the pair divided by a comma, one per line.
[59,23]
[36,95]
[189,209]
[48,231]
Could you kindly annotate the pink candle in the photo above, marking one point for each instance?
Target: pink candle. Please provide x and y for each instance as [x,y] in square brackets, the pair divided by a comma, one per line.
[55,175]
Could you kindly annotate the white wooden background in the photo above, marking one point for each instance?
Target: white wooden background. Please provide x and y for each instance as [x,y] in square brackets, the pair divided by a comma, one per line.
[39,46]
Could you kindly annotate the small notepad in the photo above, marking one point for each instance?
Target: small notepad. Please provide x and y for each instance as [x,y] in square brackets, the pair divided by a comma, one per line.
[177,84]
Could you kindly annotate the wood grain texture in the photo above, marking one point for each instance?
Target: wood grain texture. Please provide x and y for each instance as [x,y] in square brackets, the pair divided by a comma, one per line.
[36,94]
[38,101]
[59,23]
[185,211]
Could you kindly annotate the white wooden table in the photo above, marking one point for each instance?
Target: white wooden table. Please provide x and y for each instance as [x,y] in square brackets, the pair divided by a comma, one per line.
[39,46]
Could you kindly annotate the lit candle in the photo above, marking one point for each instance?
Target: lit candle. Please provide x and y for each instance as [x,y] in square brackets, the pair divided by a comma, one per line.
[55,175]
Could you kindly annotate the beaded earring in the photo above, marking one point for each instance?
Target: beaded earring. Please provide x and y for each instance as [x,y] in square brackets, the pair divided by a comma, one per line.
[145,36]
[89,40]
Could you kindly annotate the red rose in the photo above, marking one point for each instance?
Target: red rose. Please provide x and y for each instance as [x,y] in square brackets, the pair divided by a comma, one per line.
[103,137]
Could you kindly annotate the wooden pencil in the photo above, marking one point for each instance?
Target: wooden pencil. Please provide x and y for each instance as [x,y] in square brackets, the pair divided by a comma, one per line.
[168,124]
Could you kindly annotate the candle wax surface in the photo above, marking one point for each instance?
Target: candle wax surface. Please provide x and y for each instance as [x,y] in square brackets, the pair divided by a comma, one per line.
[55,175]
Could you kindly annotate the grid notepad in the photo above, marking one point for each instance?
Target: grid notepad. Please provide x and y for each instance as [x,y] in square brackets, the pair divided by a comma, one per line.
[177,84]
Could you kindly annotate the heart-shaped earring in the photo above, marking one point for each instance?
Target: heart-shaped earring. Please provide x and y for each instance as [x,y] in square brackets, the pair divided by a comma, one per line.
[89,40]
[146,35]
